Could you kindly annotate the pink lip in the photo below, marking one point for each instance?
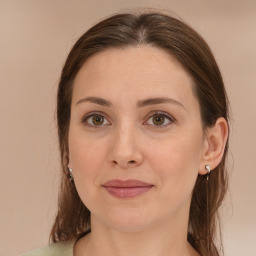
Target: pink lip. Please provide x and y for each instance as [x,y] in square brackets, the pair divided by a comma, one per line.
[126,183]
[126,188]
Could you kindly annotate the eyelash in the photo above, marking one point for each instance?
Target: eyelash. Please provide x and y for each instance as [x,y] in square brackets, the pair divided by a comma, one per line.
[151,115]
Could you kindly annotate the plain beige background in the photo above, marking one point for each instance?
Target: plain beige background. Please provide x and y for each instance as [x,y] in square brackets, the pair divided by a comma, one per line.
[34,41]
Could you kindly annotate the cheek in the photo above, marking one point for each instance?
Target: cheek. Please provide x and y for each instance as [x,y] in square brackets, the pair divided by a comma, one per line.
[176,162]
[86,159]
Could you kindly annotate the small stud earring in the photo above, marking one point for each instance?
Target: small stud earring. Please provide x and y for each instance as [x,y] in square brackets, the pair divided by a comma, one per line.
[70,174]
[208,169]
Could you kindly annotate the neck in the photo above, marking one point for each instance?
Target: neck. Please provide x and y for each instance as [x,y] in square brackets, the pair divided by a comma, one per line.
[165,240]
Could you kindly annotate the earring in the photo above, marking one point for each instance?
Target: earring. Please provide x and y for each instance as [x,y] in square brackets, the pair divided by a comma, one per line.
[70,174]
[208,169]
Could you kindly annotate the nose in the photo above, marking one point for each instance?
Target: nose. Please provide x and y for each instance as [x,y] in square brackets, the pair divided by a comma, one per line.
[125,151]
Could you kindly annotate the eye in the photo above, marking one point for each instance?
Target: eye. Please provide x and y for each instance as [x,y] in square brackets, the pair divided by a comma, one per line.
[95,120]
[160,119]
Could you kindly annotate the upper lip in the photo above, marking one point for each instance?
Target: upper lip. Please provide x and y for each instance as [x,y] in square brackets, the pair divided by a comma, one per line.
[126,183]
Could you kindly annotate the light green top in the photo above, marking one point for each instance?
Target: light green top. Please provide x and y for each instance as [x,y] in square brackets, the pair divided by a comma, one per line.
[63,248]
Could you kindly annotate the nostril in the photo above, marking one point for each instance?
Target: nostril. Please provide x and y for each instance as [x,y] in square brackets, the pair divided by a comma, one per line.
[125,164]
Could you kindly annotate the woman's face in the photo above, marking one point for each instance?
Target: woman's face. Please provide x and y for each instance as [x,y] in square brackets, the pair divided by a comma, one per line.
[134,116]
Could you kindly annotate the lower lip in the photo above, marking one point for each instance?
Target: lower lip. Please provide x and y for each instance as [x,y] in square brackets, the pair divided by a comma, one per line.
[127,192]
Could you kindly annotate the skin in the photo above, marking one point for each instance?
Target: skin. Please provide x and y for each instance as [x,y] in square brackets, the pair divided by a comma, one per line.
[130,144]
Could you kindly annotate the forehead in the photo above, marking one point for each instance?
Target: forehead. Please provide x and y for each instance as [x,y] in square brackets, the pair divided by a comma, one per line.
[142,71]
[140,59]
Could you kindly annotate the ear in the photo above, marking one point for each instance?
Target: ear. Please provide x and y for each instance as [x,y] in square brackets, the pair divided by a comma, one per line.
[66,159]
[214,145]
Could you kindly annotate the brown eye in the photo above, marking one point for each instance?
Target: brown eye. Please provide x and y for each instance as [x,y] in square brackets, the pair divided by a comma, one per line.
[160,119]
[95,120]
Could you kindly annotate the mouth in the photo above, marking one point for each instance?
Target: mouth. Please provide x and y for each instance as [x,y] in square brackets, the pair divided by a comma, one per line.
[126,188]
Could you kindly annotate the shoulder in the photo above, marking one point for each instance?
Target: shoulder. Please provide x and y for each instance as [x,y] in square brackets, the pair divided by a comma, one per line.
[62,248]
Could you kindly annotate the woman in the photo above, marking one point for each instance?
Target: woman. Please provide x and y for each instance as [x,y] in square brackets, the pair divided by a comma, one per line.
[143,133]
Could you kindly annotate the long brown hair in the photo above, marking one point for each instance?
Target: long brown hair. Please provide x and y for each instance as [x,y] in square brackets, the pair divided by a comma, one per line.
[189,48]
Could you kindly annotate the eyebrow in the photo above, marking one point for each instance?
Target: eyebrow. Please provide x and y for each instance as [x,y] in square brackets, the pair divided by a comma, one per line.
[140,103]
[96,100]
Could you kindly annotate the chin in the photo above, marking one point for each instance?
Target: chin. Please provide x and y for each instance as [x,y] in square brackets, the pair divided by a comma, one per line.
[127,222]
